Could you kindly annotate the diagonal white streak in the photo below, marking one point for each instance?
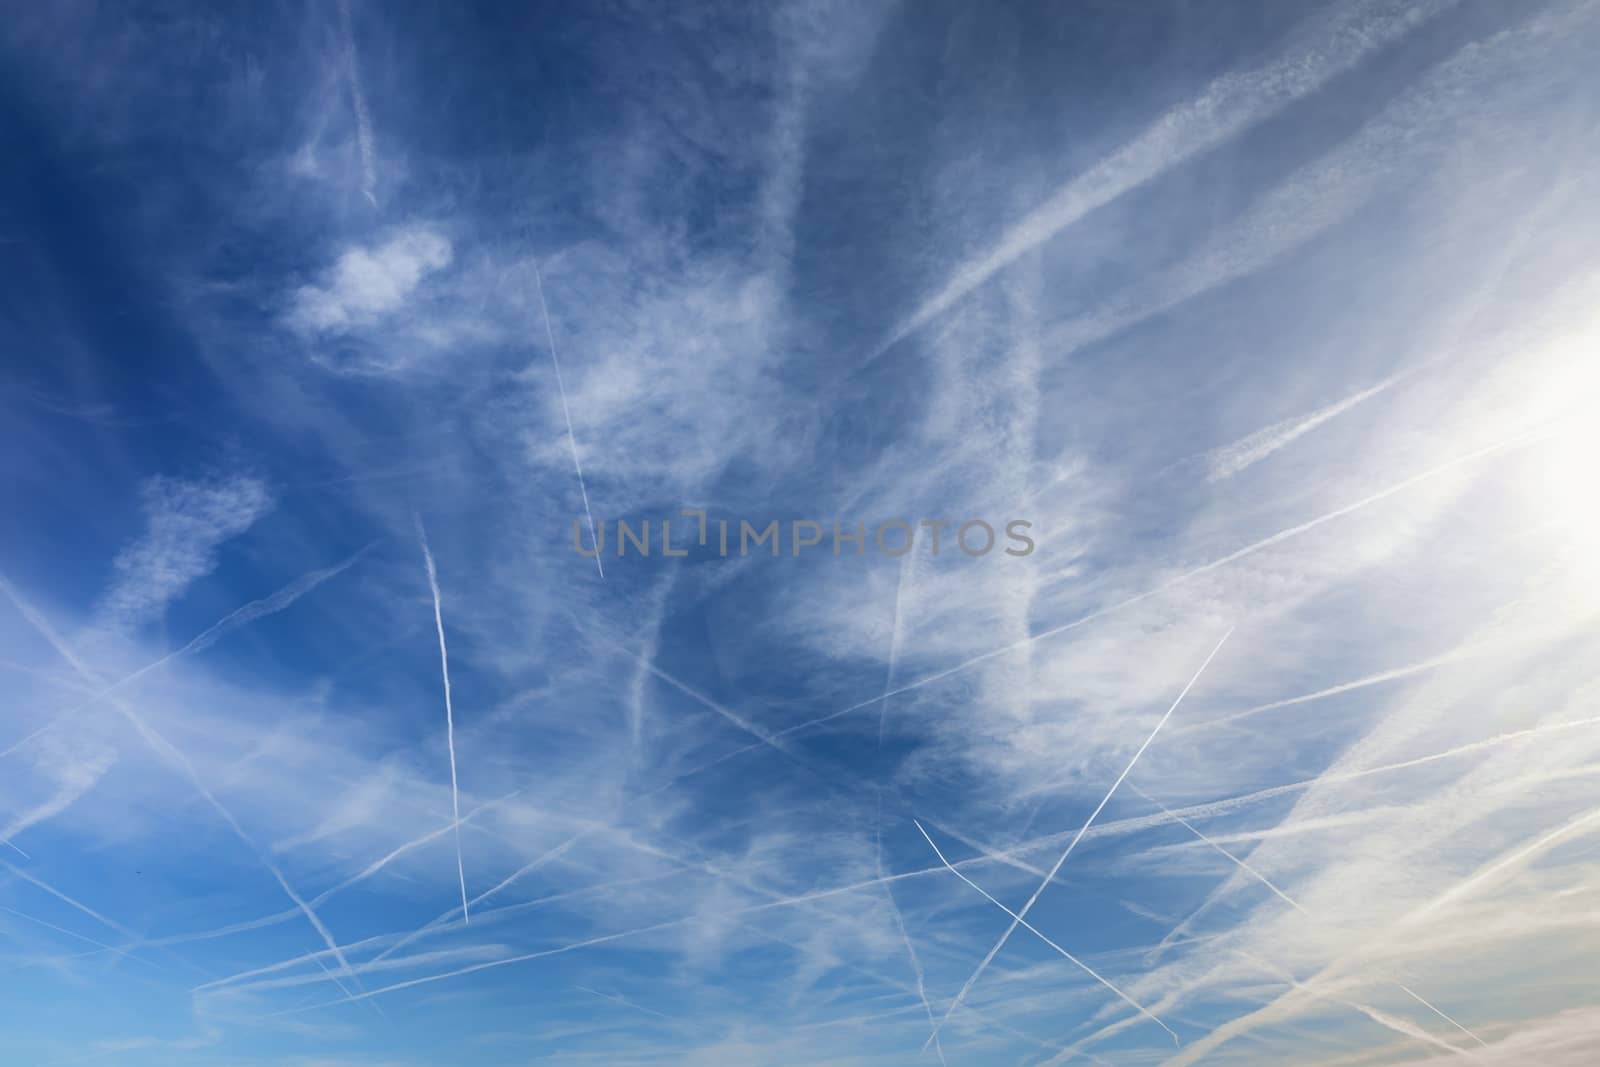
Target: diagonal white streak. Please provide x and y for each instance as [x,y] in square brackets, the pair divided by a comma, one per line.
[358,100]
[449,714]
[70,902]
[1232,103]
[1019,917]
[624,1001]
[1287,899]
[894,646]
[566,414]
[240,616]
[911,951]
[166,749]
[1241,864]
[1018,920]
[1527,437]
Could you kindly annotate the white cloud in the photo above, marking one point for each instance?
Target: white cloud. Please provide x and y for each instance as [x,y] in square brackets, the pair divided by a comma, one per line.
[185,524]
[369,284]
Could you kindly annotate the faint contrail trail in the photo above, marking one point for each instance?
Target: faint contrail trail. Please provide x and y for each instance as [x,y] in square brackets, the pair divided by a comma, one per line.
[110,924]
[894,652]
[86,775]
[625,1002]
[1209,809]
[1233,102]
[397,940]
[1018,918]
[1527,437]
[240,616]
[467,952]
[1408,991]
[1233,803]
[532,865]
[566,413]
[358,100]
[441,922]
[449,713]
[1230,459]
[163,747]
[1242,865]
[77,936]
[911,950]
[603,939]
[1287,899]
[417,842]
[1502,866]
[765,738]
[1394,674]
[167,750]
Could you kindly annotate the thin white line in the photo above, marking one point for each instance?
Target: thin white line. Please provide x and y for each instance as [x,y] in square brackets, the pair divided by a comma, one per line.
[1287,899]
[1018,917]
[1527,437]
[566,413]
[1090,971]
[449,715]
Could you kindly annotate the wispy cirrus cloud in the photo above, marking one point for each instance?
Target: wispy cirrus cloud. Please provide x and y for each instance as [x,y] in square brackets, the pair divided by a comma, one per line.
[1261,319]
[186,523]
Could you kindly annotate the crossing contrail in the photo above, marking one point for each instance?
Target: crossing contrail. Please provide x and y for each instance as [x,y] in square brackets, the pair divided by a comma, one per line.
[1017,918]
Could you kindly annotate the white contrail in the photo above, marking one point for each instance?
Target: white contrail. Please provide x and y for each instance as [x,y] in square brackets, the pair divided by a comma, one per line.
[396,940]
[766,739]
[1242,865]
[1287,899]
[1391,675]
[164,747]
[110,924]
[358,100]
[1230,804]
[1230,104]
[1501,867]
[240,616]
[1527,437]
[894,651]
[449,714]
[1246,452]
[507,961]
[167,750]
[1398,1025]
[438,956]
[763,737]
[911,950]
[625,1002]
[534,864]
[1408,991]
[438,921]
[803,898]
[269,605]
[1018,918]
[75,935]
[400,850]
[81,778]
[1208,809]
[566,413]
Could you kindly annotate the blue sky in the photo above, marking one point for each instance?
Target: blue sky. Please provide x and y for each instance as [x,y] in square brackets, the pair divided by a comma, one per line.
[324,326]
